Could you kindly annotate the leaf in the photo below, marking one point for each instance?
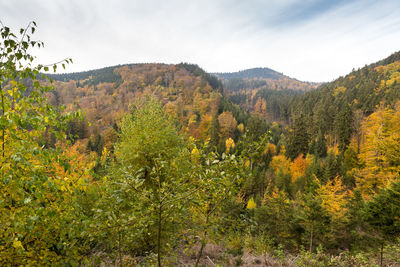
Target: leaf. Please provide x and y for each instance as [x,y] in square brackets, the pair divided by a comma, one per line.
[17,244]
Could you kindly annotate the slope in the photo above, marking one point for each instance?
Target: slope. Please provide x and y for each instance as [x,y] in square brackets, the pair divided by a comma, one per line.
[263,91]
[191,97]
[336,109]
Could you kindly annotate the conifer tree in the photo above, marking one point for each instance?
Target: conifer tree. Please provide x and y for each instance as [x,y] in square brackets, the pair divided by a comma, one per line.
[298,138]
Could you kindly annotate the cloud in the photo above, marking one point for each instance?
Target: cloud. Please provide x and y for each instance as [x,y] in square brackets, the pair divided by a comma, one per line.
[313,40]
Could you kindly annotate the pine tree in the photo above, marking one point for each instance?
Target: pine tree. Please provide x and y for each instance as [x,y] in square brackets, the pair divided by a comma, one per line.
[343,123]
[382,212]
[298,138]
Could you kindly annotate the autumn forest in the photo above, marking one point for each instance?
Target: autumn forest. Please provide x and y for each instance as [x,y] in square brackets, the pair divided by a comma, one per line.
[157,164]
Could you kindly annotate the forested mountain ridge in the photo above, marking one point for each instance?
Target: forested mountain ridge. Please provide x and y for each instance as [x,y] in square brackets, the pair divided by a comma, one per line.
[254,73]
[190,96]
[363,88]
[263,91]
[336,108]
[258,78]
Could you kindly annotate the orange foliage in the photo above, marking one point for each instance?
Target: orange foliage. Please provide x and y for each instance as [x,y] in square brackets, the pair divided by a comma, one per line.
[271,148]
[298,167]
[74,168]
[227,124]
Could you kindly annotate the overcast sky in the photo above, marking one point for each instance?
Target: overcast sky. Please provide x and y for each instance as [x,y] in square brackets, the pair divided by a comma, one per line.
[311,40]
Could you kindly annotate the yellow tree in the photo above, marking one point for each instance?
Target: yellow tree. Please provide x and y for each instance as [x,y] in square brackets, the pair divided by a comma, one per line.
[280,163]
[379,150]
[227,124]
[298,167]
[334,196]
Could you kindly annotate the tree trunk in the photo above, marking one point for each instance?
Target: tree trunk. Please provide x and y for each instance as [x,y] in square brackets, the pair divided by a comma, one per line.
[159,237]
[4,130]
[119,247]
[203,242]
[311,237]
[381,261]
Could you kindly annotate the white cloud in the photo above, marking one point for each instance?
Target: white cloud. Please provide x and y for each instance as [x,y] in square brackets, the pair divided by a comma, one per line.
[298,38]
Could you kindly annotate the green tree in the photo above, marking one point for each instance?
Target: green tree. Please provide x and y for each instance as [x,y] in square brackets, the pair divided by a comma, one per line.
[152,160]
[39,224]
[217,180]
[214,132]
[343,125]
[276,208]
[318,147]
[298,138]
[382,212]
[314,218]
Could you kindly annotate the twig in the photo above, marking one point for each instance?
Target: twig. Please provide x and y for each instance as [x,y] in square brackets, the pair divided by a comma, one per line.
[210,261]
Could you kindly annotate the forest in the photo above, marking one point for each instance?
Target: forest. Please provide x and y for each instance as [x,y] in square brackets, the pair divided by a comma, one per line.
[168,165]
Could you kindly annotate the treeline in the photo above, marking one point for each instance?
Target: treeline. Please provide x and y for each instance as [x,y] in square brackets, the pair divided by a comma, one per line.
[255,73]
[90,78]
[268,97]
[336,109]
[197,71]
[274,105]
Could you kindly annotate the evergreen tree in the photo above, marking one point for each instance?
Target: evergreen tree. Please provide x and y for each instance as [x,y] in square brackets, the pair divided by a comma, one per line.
[214,132]
[343,123]
[382,212]
[298,138]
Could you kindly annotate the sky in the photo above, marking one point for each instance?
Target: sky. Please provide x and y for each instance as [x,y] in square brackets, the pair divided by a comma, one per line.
[310,40]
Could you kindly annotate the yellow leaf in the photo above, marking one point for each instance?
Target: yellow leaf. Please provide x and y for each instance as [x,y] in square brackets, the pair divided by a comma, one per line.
[17,244]
[251,204]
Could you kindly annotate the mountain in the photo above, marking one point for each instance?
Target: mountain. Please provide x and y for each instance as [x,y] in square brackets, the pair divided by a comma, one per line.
[262,78]
[362,89]
[191,97]
[254,73]
[263,91]
[336,109]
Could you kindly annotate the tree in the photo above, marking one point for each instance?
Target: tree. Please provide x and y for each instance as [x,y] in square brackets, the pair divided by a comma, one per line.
[382,212]
[275,209]
[298,167]
[379,150]
[39,224]
[227,125]
[152,160]
[358,117]
[298,138]
[343,122]
[214,132]
[218,180]
[314,218]
[318,147]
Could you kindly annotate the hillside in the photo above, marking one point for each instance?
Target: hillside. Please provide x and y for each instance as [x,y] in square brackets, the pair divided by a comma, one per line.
[362,89]
[261,78]
[263,91]
[336,108]
[254,73]
[190,96]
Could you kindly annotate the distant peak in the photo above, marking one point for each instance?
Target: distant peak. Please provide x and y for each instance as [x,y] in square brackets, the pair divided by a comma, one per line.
[253,73]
